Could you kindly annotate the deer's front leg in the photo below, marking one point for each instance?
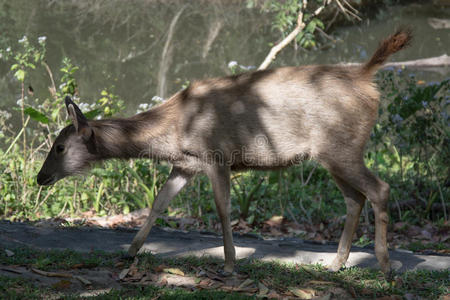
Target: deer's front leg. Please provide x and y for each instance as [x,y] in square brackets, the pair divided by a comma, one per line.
[220,181]
[177,180]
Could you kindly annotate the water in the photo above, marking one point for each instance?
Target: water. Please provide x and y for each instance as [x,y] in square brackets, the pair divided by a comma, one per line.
[121,45]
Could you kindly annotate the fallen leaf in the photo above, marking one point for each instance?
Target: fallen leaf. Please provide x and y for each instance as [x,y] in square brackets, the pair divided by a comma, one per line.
[119,264]
[51,274]
[160,268]
[174,271]
[123,273]
[9,253]
[302,293]
[204,284]
[274,221]
[273,295]
[245,283]
[163,281]
[83,280]
[262,289]
[247,290]
[227,288]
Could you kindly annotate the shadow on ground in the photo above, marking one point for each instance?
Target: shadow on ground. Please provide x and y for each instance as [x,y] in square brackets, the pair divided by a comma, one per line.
[174,243]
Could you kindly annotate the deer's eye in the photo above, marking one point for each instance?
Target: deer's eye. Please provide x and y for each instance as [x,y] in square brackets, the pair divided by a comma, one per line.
[59,149]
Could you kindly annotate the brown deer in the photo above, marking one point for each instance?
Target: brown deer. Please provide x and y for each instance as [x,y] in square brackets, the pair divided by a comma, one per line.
[258,120]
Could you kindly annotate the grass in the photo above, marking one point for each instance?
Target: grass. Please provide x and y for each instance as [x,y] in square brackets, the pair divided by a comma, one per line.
[281,278]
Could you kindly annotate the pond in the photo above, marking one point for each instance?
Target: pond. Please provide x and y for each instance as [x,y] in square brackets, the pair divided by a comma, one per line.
[123,45]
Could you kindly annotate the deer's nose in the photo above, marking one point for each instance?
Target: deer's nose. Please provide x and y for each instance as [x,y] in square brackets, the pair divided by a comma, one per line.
[44,179]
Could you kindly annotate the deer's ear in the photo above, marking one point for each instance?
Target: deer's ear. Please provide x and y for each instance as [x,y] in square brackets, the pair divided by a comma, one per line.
[78,119]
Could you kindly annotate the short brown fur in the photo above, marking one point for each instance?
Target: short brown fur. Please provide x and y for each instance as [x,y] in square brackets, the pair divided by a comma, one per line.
[259,120]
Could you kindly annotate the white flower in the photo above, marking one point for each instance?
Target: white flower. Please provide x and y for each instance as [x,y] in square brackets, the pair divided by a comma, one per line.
[84,107]
[19,102]
[143,107]
[232,64]
[62,85]
[23,39]
[42,39]
[157,99]
[8,49]
[4,114]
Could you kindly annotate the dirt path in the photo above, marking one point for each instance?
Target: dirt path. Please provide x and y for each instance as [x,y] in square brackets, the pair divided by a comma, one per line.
[168,242]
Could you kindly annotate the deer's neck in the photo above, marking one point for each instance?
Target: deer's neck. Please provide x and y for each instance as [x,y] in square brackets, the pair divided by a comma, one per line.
[151,134]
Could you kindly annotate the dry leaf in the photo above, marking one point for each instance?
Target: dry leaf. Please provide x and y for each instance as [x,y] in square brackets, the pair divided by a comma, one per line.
[9,253]
[174,271]
[273,295]
[159,268]
[262,289]
[77,266]
[83,280]
[124,273]
[245,283]
[51,274]
[204,284]
[163,281]
[302,293]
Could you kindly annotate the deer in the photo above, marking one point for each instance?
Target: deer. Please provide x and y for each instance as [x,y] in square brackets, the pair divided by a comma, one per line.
[266,119]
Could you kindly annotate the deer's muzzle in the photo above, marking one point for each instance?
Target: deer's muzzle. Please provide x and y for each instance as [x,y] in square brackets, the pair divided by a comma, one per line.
[45,179]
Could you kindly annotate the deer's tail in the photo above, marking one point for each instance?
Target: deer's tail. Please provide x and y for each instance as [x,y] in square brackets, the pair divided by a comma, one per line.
[394,43]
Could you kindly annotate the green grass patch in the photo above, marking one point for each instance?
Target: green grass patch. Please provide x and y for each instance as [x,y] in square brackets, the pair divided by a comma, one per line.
[58,259]
[280,277]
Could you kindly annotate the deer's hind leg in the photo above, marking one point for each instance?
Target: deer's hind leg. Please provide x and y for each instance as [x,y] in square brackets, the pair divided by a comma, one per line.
[355,174]
[176,181]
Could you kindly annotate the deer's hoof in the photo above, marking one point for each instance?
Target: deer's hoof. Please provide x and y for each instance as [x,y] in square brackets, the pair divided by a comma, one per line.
[334,267]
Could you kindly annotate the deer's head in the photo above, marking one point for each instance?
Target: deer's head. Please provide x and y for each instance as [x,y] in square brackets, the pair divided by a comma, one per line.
[73,150]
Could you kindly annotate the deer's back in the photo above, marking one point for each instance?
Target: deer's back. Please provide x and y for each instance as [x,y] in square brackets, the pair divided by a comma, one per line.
[275,117]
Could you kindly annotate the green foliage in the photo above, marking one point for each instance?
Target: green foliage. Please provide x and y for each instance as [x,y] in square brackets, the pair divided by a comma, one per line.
[409,145]
[25,57]
[68,83]
[285,18]
[36,115]
[414,167]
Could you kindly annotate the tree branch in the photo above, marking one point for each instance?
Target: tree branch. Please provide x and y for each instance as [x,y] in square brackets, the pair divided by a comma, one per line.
[291,36]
